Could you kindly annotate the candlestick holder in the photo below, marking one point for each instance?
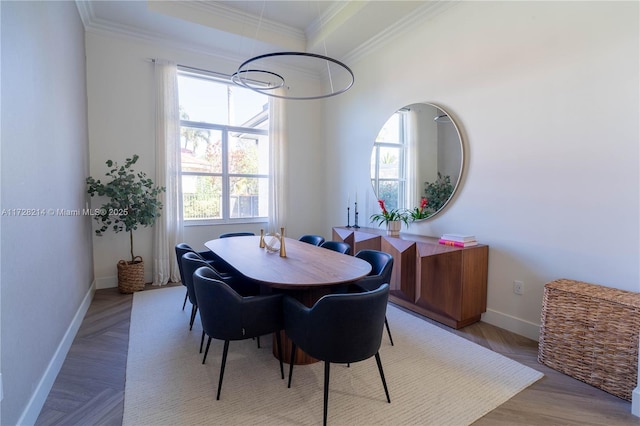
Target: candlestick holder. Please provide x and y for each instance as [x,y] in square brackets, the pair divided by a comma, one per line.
[348,217]
[283,252]
[355,222]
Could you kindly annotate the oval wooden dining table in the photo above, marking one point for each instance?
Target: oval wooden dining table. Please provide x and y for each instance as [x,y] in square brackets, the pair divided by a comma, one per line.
[307,272]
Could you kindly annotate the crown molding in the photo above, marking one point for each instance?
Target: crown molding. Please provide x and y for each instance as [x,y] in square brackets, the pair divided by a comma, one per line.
[426,12]
[238,17]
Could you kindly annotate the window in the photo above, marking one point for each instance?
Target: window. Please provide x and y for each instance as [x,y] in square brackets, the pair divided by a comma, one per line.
[388,158]
[224,143]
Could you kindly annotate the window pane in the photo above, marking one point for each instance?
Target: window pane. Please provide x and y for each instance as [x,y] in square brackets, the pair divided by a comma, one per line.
[389,163]
[248,197]
[389,192]
[248,154]
[201,150]
[202,100]
[390,132]
[247,108]
[202,197]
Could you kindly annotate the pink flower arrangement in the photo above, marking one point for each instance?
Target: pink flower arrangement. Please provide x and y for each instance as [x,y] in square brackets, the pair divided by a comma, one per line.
[389,215]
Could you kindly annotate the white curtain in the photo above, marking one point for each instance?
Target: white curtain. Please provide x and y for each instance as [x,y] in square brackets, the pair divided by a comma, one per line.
[412,132]
[278,181]
[168,227]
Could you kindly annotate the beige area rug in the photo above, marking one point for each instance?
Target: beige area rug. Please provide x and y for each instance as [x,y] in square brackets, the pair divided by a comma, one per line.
[434,377]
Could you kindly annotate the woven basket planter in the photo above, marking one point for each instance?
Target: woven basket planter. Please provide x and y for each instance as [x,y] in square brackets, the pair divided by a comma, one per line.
[590,332]
[131,275]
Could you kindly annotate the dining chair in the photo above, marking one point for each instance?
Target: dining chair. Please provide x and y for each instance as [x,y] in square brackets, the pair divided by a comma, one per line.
[236,234]
[183,248]
[191,262]
[226,315]
[316,240]
[338,328]
[381,267]
[339,246]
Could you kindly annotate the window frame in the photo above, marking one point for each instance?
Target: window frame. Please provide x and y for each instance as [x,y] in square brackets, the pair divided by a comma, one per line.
[402,147]
[226,132]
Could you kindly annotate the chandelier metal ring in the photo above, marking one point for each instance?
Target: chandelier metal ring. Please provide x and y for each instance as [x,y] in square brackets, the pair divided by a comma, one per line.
[259,85]
[243,70]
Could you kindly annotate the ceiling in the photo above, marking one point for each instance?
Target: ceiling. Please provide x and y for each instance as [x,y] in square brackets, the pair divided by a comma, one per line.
[240,29]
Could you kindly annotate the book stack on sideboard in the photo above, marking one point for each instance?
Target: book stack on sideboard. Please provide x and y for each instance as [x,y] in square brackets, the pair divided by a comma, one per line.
[458,240]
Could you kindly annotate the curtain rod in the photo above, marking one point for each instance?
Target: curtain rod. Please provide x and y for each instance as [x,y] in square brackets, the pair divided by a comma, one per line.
[200,70]
[211,73]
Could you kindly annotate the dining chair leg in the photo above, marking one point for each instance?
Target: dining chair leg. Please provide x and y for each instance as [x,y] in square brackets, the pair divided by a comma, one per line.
[258,339]
[326,391]
[194,309]
[292,360]
[224,361]
[202,341]
[384,382]
[279,346]
[206,351]
[185,300]
[386,323]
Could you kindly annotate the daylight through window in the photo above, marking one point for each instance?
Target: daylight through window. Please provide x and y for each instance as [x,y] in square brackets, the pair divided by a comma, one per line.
[224,145]
[388,158]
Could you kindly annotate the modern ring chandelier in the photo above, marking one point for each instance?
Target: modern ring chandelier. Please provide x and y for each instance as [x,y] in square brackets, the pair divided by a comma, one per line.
[294,75]
[286,75]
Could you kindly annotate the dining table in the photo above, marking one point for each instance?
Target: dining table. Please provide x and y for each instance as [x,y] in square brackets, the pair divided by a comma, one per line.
[307,272]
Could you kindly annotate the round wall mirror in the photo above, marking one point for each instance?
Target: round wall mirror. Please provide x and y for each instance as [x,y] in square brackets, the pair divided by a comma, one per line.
[418,155]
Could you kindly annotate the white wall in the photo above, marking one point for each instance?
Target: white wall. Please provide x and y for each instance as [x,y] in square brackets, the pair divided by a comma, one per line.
[546,94]
[46,260]
[121,123]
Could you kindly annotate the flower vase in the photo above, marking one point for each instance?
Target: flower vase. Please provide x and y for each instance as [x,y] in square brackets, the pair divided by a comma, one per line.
[393,227]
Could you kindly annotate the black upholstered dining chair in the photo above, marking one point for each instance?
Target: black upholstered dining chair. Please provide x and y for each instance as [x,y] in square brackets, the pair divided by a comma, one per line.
[226,315]
[236,234]
[338,328]
[191,262]
[381,267]
[183,248]
[339,246]
[316,240]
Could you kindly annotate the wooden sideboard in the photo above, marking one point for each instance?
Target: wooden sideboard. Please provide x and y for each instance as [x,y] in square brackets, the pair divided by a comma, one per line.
[447,284]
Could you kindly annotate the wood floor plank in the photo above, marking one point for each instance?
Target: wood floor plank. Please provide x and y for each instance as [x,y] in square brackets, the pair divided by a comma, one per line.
[89,389]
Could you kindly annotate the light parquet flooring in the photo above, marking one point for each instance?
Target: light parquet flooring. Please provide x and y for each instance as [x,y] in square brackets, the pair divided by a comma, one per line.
[89,389]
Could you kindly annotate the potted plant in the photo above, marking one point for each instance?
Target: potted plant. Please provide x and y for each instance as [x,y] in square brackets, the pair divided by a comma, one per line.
[438,192]
[422,212]
[391,218]
[132,202]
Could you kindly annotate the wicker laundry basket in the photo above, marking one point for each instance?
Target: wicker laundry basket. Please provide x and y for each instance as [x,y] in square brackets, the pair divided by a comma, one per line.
[590,332]
[131,275]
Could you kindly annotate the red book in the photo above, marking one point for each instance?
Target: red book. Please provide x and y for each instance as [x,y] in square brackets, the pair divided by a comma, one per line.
[457,243]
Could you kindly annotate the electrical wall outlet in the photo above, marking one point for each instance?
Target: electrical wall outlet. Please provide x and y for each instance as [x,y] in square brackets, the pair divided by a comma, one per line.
[518,287]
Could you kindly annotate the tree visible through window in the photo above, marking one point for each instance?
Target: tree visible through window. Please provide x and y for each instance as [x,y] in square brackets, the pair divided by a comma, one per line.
[224,144]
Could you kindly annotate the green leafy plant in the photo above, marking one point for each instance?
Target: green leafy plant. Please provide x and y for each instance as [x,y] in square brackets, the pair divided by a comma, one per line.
[387,216]
[133,199]
[438,192]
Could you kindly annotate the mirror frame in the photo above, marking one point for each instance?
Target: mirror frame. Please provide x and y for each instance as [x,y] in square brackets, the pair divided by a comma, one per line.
[456,186]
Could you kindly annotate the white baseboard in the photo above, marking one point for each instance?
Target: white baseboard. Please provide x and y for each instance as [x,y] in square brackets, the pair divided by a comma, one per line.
[513,324]
[33,408]
[635,402]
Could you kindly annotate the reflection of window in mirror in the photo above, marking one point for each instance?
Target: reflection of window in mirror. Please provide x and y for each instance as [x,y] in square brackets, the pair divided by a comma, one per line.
[388,161]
